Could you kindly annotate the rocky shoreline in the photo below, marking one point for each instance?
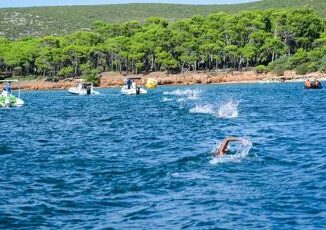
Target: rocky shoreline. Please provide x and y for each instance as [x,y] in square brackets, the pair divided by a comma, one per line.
[110,79]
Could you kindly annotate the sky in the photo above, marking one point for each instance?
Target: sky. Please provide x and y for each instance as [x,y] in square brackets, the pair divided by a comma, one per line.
[27,3]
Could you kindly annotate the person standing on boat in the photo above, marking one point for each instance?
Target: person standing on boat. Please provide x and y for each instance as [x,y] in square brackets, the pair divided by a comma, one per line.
[129,82]
[8,87]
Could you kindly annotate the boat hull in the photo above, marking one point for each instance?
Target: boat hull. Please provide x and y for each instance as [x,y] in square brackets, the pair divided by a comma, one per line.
[10,101]
[314,87]
[133,91]
[84,92]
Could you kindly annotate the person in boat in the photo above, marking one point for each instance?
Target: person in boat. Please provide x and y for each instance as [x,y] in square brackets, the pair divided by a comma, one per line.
[317,84]
[8,87]
[307,83]
[88,89]
[223,148]
[129,82]
[4,92]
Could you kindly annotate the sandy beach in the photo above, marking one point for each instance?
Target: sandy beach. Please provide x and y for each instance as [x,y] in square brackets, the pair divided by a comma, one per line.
[112,79]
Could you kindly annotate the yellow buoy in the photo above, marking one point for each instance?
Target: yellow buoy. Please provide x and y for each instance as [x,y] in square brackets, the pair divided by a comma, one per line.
[151,83]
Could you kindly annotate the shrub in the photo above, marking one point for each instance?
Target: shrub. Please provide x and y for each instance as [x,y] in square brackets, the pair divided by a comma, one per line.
[261,69]
[279,71]
[279,66]
[306,68]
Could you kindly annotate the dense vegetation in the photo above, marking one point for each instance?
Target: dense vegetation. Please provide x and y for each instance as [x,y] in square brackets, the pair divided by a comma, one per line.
[42,21]
[272,40]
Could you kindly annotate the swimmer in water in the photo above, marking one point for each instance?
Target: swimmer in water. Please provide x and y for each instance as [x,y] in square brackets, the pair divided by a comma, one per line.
[223,146]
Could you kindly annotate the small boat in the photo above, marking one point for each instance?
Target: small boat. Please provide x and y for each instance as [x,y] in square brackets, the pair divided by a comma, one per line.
[131,88]
[313,85]
[83,88]
[7,99]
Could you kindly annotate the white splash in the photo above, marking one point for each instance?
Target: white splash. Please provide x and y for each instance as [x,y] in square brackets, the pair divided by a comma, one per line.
[206,109]
[166,99]
[188,93]
[229,110]
[241,152]
[194,95]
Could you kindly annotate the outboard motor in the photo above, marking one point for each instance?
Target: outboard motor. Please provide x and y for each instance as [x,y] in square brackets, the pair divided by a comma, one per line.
[137,90]
[88,90]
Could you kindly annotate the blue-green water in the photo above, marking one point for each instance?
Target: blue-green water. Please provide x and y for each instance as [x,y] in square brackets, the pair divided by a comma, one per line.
[113,161]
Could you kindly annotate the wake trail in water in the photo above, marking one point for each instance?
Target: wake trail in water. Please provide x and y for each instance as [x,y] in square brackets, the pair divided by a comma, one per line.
[241,151]
[166,99]
[186,94]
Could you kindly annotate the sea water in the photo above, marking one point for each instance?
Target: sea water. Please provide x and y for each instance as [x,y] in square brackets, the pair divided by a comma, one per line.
[144,162]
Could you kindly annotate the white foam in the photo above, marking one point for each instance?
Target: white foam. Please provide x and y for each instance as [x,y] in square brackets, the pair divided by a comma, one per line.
[226,110]
[241,152]
[188,93]
[194,95]
[229,109]
[165,99]
[206,109]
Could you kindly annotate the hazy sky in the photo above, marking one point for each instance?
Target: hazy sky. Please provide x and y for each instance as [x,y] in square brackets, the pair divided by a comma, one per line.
[24,3]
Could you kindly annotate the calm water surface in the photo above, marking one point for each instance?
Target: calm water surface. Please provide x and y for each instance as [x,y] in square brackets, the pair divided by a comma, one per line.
[144,162]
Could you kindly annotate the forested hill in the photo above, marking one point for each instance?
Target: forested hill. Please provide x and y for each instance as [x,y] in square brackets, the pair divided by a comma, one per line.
[40,21]
[270,40]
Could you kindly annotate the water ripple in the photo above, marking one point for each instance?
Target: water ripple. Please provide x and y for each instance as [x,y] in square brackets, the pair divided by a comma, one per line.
[112,161]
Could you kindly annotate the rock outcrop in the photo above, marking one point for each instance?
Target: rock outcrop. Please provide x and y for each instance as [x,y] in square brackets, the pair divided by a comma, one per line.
[111,79]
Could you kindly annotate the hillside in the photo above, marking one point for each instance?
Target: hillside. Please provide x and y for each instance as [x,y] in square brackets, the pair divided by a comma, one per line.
[40,21]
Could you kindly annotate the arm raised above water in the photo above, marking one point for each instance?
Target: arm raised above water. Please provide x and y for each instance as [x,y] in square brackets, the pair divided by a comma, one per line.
[223,146]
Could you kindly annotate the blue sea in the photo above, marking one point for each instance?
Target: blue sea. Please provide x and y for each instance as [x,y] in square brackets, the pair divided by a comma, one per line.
[111,161]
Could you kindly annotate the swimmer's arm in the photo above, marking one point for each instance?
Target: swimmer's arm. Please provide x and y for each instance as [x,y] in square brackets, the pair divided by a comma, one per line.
[228,139]
[222,149]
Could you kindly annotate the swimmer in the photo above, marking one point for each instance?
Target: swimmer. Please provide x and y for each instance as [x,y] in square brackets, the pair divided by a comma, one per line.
[223,146]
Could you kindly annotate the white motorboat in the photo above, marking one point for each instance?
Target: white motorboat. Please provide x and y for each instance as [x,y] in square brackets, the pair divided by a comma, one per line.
[131,88]
[7,99]
[83,88]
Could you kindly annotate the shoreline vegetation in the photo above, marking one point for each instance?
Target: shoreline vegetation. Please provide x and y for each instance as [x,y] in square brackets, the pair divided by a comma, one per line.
[111,79]
[188,51]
